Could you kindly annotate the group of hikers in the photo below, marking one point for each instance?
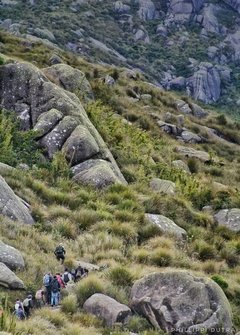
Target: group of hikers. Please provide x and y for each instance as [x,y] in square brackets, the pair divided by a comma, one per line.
[50,293]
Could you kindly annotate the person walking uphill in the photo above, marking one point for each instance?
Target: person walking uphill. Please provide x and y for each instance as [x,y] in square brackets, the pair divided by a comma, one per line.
[55,289]
[60,253]
[47,279]
[27,305]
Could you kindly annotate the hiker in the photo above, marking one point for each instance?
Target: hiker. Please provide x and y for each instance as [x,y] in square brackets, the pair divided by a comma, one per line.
[55,289]
[27,305]
[80,273]
[60,280]
[39,296]
[60,253]
[67,277]
[19,312]
[47,279]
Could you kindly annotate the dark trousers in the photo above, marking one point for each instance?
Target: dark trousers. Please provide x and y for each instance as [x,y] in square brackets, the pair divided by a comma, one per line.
[48,294]
[27,311]
[61,257]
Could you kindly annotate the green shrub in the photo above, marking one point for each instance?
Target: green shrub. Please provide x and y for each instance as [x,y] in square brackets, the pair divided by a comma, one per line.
[87,287]
[120,276]
[205,251]
[220,281]
[69,304]
[162,257]
[138,324]
[193,165]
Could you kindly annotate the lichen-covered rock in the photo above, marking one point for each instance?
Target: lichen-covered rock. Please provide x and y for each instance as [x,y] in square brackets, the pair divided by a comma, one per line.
[26,90]
[180,165]
[190,137]
[121,8]
[80,146]
[54,140]
[184,10]
[108,309]
[12,206]
[229,218]
[8,279]
[183,107]
[190,152]
[70,79]
[47,121]
[95,172]
[163,186]
[166,225]
[11,257]
[179,302]
[147,10]
[198,111]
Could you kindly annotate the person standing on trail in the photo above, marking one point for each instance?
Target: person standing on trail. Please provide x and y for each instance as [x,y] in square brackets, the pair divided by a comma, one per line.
[19,312]
[55,289]
[60,253]
[39,296]
[47,279]
[27,305]
[66,277]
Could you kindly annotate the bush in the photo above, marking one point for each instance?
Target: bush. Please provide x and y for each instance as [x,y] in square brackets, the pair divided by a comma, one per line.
[162,257]
[193,165]
[220,281]
[87,287]
[69,304]
[138,324]
[205,251]
[86,218]
[120,276]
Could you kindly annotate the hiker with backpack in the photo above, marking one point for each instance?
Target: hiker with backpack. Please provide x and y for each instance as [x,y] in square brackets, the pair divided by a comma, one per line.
[67,277]
[19,311]
[39,297]
[27,305]
[60,253]
[47,279]
[55,291]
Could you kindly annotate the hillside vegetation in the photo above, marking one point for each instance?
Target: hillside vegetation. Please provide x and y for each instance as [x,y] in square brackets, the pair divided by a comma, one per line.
[108,227]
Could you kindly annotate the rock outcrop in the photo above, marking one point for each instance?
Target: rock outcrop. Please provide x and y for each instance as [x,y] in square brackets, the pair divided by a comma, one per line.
[147,10]
[12,206]
[56,114]
[11,257]
[235,4]
[229,218]
[8,279]
[184,10]
[163,186]
[190,152]
[205,84]
[107,309]
[181,303]
[166,225]
[70,79]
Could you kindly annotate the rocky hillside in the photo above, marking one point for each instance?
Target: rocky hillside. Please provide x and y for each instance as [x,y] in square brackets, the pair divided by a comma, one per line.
[140,185]
[192,46]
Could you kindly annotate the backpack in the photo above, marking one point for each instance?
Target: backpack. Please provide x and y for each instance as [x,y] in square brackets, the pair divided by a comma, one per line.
[55,286]
[46,280]
[65,278]
[26,302]
[59,250]
[39,295]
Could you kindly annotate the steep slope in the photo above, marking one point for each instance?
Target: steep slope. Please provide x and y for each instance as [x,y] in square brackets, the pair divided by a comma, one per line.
[177,217]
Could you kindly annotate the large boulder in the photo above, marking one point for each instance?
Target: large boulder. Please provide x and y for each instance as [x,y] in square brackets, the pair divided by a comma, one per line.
[178,302]
[11,257]
[12,206]
[163,186]
[70,79]
[5,168]
[108,309]
[190,137]
[234,41]
[121,8]
[166,225]
[181,165]
[205,84]
[94,172]
[190,152]
[229,218]
[8,279]
[80,146]
[51,110]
